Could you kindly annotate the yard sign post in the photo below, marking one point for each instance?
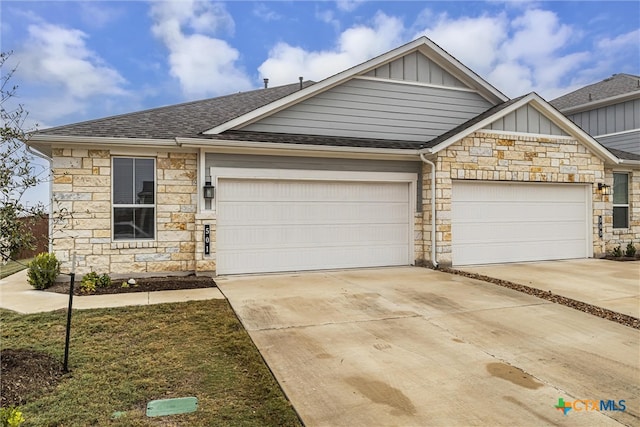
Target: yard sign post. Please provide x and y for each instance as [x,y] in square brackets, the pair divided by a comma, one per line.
[65,366]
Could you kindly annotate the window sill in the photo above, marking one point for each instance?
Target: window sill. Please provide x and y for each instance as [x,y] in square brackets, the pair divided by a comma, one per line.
[621,230]
[134,244]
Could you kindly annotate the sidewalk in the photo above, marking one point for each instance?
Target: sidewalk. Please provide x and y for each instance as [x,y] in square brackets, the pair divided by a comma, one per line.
[17,295]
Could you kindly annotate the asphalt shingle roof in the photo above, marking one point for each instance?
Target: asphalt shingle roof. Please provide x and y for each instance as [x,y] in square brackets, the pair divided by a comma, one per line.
[618,84]
[182,120]
[624,155]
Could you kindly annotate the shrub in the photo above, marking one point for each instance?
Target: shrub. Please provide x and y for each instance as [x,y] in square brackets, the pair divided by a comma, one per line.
[617,251]
[10,417]
[43,270]
[631,250]
[91,281]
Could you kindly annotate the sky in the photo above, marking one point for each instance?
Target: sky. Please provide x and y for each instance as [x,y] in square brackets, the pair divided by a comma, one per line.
[80,60]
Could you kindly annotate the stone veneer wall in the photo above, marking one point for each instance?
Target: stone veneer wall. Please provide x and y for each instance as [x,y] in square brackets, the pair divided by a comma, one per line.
[82,188]
[492,156]
[614,237]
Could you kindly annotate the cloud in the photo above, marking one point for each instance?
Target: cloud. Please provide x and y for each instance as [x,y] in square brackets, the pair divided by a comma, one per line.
[59,57]
[263,12]
[348,5]
[355,45]
[98,16]
[204,65]
[518,52]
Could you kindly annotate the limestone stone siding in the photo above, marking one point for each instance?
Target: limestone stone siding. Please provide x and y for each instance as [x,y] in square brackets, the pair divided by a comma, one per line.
[82,206]
[490,156]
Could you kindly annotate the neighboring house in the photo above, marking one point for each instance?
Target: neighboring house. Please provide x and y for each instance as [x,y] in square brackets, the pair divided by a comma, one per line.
[408,158]
[608,110]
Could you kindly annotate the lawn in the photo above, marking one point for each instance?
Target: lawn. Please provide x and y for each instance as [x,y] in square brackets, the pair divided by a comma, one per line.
[122,358]
[13,267]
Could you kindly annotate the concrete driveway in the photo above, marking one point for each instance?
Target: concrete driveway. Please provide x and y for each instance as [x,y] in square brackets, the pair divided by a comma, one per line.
[609,284]
[412,346]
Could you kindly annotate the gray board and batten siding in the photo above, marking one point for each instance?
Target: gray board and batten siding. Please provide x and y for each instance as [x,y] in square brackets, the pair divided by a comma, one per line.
[416,67]
[381,109]
[610,119]
[315,163]
[526,119]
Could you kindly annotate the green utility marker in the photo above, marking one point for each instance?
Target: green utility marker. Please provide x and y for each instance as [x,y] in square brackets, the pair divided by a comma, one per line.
[181,405]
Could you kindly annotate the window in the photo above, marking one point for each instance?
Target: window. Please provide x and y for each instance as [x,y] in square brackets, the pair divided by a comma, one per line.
[133,195]
[620,200]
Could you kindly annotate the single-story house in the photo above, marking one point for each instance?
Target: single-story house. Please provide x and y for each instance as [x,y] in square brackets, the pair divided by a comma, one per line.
[408,158]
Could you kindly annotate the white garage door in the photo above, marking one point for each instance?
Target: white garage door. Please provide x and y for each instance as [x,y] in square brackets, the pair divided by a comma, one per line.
[500,222]
[269,225]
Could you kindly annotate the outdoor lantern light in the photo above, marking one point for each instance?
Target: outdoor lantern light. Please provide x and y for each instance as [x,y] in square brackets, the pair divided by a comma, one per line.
[208,190]
[604,189]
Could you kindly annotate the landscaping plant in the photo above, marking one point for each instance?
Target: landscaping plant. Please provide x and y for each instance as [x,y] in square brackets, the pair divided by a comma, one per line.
[631,250]
[617,251]
[10,417]
[43,270]
[92,280]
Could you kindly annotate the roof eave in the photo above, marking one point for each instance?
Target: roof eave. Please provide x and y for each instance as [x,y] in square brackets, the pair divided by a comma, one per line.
[602,102]
[43,139]
[278,148]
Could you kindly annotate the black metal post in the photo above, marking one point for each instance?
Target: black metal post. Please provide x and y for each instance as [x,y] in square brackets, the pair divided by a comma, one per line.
[65,366]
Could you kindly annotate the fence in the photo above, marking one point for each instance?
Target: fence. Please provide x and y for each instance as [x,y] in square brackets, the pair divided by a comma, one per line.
[39,227]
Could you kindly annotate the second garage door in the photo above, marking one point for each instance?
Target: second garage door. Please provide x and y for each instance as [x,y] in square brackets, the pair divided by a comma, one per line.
[270,225]
[501,222]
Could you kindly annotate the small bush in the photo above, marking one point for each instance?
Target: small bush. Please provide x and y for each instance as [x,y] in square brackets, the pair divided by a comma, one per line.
[631,250]
[10,417]
[91,281]
[617,251]
[43,270]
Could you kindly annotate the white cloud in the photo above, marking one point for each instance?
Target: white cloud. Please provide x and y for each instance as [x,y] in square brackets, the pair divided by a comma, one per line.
[263,12]
[623,41]
[204,65]
[348,5]
[59,57]
[355,45]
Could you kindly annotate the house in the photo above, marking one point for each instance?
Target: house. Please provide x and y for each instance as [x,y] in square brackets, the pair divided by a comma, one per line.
[608,110]
[408,158]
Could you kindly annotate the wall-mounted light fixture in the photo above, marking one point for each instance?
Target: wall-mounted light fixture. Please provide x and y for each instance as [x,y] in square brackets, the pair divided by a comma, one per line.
[208,191]
[604,189]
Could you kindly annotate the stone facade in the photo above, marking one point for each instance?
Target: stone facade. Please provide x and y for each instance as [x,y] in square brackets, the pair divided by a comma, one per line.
[494,156]
[82,206]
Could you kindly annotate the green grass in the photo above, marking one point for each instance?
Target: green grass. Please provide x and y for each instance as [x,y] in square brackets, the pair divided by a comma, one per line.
[122,358]
[13,267]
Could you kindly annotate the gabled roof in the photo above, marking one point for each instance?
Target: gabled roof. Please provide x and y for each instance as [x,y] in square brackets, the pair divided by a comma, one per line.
[499,111]
[595,94]
[423,45]
[183,120]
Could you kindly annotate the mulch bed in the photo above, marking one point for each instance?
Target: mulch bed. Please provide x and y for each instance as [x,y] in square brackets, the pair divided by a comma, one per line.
[622,258]
[604,313]
[147,284]
[26,373]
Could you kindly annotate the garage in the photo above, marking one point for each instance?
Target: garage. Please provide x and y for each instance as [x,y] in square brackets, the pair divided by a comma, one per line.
[273,224]
[504,222]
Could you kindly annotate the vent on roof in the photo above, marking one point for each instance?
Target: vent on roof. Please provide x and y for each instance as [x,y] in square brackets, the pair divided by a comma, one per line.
[266,83]
[300,78]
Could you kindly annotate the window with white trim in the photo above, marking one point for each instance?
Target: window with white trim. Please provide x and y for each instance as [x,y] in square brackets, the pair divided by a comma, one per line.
[620,200]
[133,198]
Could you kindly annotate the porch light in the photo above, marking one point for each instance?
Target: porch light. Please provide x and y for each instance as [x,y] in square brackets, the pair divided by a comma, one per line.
[208,190]
[604,189]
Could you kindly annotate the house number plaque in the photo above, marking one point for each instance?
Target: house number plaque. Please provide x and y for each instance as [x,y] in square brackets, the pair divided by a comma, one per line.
[207,239]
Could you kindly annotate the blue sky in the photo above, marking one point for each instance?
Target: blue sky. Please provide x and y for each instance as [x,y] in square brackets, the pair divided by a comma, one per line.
[83,60]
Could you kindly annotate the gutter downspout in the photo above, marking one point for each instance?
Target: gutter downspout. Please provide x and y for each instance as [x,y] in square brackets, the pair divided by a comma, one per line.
[48,159]
[433,209]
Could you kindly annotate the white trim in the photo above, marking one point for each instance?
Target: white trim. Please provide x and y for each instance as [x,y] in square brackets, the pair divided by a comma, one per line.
[621,205]
[533,135]
[289,149]
[42,137]
[601,103]
[411,83]
[624,132]
[423,44]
